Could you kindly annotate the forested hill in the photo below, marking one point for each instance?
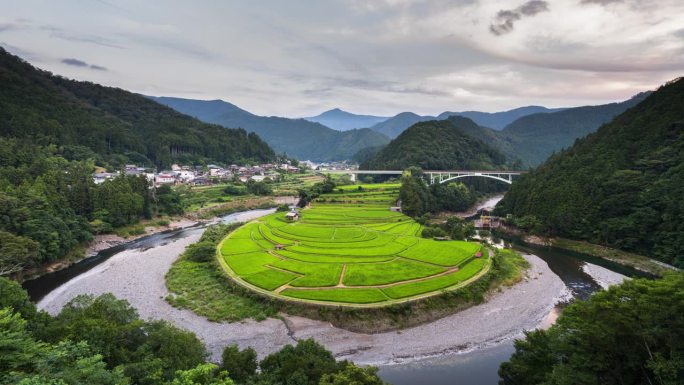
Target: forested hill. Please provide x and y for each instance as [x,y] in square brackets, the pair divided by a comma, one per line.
[296,137]
[535,137]
[110,125]
[621,186]
[437,145]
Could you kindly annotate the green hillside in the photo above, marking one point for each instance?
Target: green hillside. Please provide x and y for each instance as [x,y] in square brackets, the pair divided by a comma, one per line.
[437,145]
[299,138]
[621,186]
[533,138]
[109,124]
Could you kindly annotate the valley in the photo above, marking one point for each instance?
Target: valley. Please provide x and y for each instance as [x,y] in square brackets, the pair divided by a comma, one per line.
[341,193]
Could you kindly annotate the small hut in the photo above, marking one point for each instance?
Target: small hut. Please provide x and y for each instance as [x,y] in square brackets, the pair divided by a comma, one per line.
[279,247]
[292,216]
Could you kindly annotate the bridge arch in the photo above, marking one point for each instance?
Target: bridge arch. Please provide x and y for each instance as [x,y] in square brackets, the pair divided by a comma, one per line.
[475,175]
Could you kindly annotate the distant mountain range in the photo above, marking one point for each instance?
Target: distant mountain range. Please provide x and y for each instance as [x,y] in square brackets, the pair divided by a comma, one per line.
[343,121]
[526,141]
[395,125]
[299,138]
[533,138]
[527,134]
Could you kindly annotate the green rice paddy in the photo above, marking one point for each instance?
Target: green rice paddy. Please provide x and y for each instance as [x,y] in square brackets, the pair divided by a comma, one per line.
[349,249]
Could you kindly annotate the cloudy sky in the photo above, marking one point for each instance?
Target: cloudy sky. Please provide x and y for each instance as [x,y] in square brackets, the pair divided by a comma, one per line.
[296,58]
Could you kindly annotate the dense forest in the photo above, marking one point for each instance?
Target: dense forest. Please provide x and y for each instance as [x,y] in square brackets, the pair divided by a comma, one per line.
[110,125]
[436,145]
[299,138]
[49,204]
[102,341]
[533,138]
[630,334]
[621,186]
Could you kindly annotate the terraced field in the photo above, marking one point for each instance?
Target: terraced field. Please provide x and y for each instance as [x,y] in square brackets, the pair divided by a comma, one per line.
[348,249]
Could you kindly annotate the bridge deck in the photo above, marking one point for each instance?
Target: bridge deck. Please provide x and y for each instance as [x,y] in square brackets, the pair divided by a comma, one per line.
[399,172]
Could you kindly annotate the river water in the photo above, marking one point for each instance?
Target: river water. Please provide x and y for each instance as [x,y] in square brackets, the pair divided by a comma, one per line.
[478,367]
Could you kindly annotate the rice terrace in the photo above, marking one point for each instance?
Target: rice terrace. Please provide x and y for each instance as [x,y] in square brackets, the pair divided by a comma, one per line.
[348,248]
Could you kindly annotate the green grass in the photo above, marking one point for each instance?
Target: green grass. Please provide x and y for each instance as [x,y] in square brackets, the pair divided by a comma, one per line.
[203,288]
[269,279]
[351,246]
[338,295]
[368,274]
[438,283]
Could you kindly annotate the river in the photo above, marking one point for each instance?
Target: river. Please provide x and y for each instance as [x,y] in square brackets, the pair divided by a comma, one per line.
[126,269]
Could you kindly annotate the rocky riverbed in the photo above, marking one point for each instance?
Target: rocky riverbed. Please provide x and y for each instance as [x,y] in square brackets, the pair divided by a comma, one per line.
[138,277]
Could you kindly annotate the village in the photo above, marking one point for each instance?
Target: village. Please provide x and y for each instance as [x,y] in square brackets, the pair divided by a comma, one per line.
[212,173]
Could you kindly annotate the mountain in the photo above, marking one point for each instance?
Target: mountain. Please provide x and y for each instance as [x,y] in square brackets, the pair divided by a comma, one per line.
[535,137]
[343,120]
[436,145]
[295,137]
[110,124]
[499,120]
[621,186]
[395,125]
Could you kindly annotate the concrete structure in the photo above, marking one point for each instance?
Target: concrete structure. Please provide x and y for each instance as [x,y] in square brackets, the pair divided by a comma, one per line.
[433,177]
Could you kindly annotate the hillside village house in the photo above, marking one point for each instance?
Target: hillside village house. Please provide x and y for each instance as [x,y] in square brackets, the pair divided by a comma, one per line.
[165,178]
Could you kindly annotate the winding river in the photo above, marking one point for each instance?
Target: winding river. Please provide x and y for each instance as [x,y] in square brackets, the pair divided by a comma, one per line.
[468,345]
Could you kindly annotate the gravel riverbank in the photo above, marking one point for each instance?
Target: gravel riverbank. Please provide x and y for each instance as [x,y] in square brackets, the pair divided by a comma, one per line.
[138,276]
[604,277]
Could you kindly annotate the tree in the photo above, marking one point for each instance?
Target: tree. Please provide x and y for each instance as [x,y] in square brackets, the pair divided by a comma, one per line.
[353,375]
[240,364]
[630,334]
[259,188]
[16,252]
[303,364]
[414,194]
[204,374]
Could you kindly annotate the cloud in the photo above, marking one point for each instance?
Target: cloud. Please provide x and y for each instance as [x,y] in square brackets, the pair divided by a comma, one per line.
[74,62]
[506,18]
[81,63]
[60,33]
[601,2]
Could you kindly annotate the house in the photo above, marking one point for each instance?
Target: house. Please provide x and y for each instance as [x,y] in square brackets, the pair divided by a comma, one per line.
[200,181]
[279,247]
[185,175]
[258,178]
[292,216]
[165,178]
[101,177]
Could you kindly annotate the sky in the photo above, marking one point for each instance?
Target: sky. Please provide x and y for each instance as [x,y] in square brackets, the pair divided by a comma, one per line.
[298,58]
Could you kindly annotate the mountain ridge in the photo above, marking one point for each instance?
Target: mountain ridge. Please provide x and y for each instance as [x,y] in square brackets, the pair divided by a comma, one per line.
[341,120]
[620,186]
[295,137]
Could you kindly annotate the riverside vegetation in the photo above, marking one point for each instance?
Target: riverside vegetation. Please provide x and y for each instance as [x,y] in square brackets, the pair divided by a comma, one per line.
[102,341]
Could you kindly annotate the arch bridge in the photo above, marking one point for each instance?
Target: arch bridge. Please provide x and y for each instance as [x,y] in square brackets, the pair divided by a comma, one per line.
[432,177]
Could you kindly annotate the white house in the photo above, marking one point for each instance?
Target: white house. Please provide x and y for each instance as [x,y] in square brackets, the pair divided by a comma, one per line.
[165,178]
